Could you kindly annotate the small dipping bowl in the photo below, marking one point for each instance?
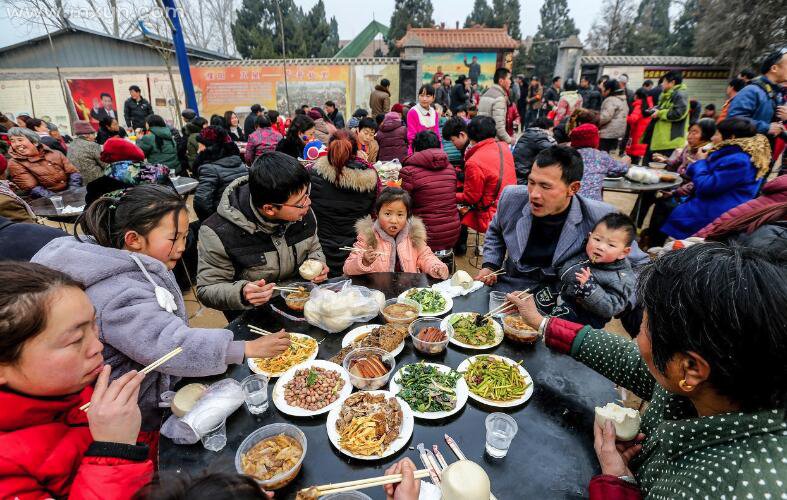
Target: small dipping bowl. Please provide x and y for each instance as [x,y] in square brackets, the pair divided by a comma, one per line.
[657,165]
[295,303]
[522,335]
[422,345]
[400,320]
[369,384]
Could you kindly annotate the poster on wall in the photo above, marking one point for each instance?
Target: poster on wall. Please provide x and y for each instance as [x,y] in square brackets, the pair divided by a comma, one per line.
[164,99]
[479,66]
[94,99]
[15,98]
[49,103]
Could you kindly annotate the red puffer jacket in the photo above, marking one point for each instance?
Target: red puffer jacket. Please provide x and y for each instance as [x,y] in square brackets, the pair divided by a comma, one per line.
[46,451]
[482,169]
[431,180]
[392,138]
[638,123]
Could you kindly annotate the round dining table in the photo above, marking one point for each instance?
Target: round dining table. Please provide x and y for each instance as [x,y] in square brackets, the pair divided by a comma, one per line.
[551,456]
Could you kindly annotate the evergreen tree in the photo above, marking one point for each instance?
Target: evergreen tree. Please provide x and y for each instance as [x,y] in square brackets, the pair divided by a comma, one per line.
[482,14]
[333,39]
[651,30]
[610,31]
[684,29]
[317,33]
[555,26]
[506,12]
[415,13]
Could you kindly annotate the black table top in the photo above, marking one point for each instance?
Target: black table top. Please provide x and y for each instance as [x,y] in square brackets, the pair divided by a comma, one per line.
[551,456]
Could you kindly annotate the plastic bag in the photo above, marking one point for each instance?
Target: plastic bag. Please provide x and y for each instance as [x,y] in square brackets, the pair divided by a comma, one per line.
[336,306]
[219,402]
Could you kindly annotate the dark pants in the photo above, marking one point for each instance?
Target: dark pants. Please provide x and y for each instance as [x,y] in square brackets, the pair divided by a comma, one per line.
[624,141]
[608,144]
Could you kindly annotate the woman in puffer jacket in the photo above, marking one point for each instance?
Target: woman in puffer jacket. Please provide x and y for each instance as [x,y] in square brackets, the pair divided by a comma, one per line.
[612,121]
[431,181]
[35,168]
[51,357]
[392,138]
[217,164]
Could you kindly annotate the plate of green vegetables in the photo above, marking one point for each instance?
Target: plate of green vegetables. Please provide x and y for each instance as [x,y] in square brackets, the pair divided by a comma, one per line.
[496,380]
[433,391]
[469,331]
[433,302]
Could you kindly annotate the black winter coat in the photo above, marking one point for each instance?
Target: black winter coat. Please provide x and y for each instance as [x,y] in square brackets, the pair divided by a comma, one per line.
[459,97]
[214,177]
[591,98]
[338,203]
[533,141]
[250,124]
[135,112]
[290,147]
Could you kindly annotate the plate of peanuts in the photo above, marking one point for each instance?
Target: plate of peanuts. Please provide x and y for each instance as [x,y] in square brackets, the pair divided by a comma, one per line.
[311,388]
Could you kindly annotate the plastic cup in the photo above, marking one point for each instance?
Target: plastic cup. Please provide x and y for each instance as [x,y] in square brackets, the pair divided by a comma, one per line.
[500,431]
[57,201]
[214,438]
[496,299]
[255,393]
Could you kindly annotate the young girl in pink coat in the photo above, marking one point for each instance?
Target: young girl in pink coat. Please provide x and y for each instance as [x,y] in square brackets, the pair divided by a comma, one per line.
[395,242]
[422,116]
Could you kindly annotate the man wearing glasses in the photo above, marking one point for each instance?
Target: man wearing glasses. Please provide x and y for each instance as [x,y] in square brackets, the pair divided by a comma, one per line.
[262,231]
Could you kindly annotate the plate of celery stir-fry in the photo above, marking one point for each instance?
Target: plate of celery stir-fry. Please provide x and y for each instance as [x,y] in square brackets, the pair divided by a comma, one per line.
[433,391]
[496,380]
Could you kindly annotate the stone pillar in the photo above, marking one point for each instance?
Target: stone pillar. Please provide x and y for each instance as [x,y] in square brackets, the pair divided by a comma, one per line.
[413,50]
[569,56]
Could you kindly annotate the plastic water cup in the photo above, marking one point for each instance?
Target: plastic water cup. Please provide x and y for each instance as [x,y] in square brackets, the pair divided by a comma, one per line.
[500,431]
[214,438]
[57,201]
[496,299]
[255,393]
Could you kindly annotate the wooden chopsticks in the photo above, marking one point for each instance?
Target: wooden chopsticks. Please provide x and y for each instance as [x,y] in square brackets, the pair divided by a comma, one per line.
[366,483]
[152,366]
[499,272]
[505,306]
[286,288]
[359,250]
[258,330]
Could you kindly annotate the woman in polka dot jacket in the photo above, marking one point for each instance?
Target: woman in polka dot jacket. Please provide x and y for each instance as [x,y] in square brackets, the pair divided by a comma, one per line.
[710,360]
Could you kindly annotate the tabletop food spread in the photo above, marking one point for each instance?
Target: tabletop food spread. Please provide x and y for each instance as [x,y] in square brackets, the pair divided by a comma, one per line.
[448,390]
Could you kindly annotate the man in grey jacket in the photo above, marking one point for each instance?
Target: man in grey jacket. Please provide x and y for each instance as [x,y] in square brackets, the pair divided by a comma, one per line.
[494,103]
[262,231]
[540,227]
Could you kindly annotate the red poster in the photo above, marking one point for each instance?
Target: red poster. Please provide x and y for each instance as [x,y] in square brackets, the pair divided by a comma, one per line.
[94,99]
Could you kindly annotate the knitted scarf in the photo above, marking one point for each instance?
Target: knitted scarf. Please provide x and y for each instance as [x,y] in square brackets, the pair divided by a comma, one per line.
[757,147]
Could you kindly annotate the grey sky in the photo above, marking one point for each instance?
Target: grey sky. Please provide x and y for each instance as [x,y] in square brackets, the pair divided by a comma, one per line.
[352,19]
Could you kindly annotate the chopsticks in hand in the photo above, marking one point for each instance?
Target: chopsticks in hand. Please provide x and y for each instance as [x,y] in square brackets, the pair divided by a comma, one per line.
[366,483]
[152,366]
[507,305]
[359,250]
[258,330]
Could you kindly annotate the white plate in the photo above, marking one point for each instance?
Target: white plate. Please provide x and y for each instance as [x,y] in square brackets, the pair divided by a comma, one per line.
[462,393]
[408,423]
[278,390]
[253,366]
[500,404]
[350,337]
[449,302]
[499,334]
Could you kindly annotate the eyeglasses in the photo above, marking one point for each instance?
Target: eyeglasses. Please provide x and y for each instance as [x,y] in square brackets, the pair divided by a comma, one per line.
[300,205]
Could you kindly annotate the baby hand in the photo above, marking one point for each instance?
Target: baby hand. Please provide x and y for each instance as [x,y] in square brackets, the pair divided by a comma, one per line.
[583,276]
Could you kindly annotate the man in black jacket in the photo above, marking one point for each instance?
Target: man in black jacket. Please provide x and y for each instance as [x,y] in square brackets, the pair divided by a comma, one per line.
[336,116]
[591,97]
[250,123]
[136,108]
[552,95]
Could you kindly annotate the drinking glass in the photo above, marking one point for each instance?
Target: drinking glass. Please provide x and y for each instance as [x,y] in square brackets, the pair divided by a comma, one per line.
[213,438]
[57,201]
[496,299]
[500,431]
[255,392]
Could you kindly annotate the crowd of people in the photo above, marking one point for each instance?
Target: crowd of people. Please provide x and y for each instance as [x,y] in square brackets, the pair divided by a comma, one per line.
[274,191]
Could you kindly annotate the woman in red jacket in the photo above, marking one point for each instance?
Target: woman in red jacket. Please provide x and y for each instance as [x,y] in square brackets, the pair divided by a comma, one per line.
[431,180]
[50,356]
[489,168]
[638,123]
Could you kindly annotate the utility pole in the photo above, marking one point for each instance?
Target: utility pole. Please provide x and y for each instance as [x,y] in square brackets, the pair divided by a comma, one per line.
[180,53]
[284,58]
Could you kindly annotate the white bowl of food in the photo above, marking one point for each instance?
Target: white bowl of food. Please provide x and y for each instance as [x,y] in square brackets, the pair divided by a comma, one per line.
[657,165]
[369,367]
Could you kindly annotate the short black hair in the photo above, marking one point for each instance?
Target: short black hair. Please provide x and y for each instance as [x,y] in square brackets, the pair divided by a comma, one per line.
[711,107]
[305,107]
[330,103]
[481,128]
[543,122]
[647,83]
[274,177]
[385,82]
[737,84]
[199,121]
[135,88]
[707,128]
[360,113]
[426,139]
[207,486]
[453,127]
[105,94]
[612,85]
[367,122]
[728,304]
[570,85]
[500,74]
[300,111]
[772,58]
[567,158]
[674,76]
[747,73]
[155,121]
[617,220]
[584,77]
[426,89]
[392,194]
[273,115]
[557,78]
[262,121]
[738,126]
[379,119]
[256,108]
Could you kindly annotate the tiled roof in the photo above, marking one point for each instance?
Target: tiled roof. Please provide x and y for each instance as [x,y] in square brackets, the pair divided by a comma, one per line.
[316,61]
[467,38]
[651,61]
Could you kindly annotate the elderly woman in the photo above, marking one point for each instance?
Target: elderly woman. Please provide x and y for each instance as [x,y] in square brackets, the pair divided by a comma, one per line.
[85,153]
[710,361]
[36,168]
[41,128]
[109,127]
[598,164]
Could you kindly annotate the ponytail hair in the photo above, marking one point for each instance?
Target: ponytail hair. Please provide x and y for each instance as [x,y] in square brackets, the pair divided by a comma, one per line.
[139,209]
[342,147]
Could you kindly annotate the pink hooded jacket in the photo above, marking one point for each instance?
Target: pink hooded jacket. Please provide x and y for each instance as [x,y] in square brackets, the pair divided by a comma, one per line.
[414,254]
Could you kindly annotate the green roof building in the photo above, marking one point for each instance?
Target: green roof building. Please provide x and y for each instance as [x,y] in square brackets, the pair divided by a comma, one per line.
[365,44]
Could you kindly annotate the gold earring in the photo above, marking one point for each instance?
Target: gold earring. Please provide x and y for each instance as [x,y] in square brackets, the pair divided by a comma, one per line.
[686,387]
